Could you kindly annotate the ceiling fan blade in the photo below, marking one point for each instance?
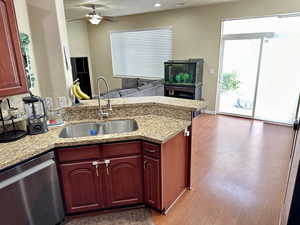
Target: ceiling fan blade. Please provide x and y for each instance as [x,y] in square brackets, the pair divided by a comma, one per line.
[87,6]
[79,2]
[109,18]
[91,6]
[79,19]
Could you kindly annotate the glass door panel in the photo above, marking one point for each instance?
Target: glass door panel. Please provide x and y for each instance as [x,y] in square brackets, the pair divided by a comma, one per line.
[239,76]
[279,82]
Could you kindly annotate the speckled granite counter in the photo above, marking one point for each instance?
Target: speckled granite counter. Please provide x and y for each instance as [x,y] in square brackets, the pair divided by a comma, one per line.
[177,103]
[152,128]
[159,119]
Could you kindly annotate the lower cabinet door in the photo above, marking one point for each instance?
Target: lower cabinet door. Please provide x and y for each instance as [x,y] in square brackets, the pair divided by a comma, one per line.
[152,193]
[82,186]
[124,181]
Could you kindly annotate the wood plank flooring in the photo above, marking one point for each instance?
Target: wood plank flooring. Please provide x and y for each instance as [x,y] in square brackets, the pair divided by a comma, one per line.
[239,167]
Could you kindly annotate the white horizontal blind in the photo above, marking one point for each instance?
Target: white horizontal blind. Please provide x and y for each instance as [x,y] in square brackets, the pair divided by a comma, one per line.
[141,53]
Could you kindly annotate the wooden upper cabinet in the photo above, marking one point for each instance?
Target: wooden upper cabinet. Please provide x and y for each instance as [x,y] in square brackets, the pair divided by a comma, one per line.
[82,186]
[124,181]
[12,71]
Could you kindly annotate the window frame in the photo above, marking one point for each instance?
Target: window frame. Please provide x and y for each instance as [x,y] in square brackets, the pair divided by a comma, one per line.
[136,30]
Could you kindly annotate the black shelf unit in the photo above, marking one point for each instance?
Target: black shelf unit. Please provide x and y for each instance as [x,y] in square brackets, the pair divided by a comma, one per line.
[80,70]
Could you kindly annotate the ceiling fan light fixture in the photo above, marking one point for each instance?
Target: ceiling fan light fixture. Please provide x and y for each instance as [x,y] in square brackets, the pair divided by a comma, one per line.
[157,4]
[95,19]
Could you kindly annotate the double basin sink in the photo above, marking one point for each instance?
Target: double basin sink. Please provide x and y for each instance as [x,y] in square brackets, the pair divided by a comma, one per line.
[98,128]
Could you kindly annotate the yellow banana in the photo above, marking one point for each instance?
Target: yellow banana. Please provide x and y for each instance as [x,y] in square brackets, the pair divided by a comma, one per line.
[80,93]
[74,92]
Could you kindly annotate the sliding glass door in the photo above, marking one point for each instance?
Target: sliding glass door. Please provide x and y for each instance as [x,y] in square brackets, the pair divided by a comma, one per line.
[279,80]
[260,76]
[238,79]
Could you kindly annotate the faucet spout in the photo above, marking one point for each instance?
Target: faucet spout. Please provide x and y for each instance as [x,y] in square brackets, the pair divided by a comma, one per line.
[103,111]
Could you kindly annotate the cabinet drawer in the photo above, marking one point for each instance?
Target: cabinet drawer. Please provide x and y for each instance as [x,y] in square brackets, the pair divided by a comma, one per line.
[151,150]
[121,149]
[78,153]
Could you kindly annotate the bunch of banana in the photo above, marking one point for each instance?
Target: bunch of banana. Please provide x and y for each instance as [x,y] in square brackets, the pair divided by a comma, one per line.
[78,93]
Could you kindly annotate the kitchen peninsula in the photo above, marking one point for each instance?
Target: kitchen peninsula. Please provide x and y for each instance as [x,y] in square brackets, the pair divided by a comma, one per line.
[149,166]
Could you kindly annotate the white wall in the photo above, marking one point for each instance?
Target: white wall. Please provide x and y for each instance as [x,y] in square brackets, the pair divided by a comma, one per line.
[79,43]
[63,35]
[24,26]
[196,33]
[47,21]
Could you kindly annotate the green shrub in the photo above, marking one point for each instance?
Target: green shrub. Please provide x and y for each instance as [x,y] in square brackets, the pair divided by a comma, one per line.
[229,82]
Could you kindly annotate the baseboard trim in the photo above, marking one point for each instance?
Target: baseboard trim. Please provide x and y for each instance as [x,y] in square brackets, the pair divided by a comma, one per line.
[165,211]
[205,111]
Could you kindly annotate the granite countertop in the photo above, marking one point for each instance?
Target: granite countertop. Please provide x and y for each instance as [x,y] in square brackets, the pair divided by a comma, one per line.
[157,129]
[185,104]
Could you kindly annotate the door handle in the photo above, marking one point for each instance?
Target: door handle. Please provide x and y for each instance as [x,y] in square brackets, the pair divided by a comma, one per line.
[145,164]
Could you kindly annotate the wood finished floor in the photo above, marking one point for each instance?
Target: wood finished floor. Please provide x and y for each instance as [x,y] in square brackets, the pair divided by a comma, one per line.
[239,168]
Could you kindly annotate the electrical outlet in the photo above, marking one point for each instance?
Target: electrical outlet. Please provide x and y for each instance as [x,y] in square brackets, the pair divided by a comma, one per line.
[62,101]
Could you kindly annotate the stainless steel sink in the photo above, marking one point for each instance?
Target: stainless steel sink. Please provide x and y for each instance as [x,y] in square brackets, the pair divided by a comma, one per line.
[80,130]
[101,128]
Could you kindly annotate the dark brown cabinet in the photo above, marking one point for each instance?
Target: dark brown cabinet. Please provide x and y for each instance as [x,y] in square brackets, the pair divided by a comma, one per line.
[101,176]
[120,174]
[82,186]
[124,181]
[166,171]
[12,71]
[175,170]
[152,182]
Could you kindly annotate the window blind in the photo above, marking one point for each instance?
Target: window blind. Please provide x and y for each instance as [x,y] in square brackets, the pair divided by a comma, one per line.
[141,53]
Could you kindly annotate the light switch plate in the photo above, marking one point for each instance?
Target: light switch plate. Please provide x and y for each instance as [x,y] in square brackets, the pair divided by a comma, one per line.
[211,71]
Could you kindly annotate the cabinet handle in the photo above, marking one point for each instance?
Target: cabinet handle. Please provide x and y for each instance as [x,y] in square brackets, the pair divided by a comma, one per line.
[145,164]
[150,151]
[96,164]
[186,132]
[107,162]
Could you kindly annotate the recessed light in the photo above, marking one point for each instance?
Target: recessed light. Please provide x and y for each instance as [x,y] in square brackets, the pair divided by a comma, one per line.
[157,4]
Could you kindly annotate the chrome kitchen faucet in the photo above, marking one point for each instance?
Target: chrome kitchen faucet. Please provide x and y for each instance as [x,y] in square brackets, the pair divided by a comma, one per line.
[103,112]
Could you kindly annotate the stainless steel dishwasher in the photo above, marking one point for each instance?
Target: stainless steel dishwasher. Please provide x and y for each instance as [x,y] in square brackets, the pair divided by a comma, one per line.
[30,193]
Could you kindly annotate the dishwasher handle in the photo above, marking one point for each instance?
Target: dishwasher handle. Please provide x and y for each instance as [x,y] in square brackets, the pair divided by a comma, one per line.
[26,173]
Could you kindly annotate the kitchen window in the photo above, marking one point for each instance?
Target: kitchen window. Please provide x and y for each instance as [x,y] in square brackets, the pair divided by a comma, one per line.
[141,53]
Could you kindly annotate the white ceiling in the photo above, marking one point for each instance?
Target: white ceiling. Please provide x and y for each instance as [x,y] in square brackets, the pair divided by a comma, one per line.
[129,7]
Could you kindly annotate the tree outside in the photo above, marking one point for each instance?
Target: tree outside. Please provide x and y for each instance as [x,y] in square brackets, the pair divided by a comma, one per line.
[229,82]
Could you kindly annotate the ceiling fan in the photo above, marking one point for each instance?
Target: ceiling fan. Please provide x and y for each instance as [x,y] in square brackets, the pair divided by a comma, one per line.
[93,17]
